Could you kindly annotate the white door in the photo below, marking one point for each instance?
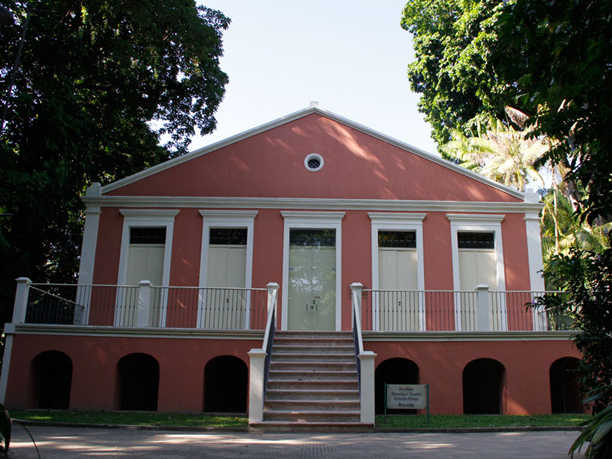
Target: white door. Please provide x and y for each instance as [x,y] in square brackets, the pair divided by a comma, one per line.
[398,307]
[476,266]
[225,308]
[312,280]
[145,262]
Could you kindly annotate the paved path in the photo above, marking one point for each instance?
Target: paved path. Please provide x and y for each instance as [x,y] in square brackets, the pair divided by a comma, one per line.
[72,443]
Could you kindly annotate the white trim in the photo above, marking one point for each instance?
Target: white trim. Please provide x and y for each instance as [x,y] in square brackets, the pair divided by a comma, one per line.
[534,251]
[310,203]
[9,330]
[225,219]
[486,223]
[90,240]
[322,220]
[154,218]
[398,222]
[297,115]
[368,336]
[536,266]
[88,258]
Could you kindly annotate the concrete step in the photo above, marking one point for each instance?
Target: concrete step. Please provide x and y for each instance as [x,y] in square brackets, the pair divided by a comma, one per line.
[312,357]
[302,426]
[311,416]
[306,393]
[310,367]
[314,384]
[348,349]
[321,374]
[328,405]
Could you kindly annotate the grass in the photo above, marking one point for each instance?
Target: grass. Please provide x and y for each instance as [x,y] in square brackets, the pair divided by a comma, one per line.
[202,420]
[470,421]
[130,418]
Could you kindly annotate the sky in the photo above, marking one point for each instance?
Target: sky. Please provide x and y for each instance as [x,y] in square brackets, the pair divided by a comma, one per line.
[350,56]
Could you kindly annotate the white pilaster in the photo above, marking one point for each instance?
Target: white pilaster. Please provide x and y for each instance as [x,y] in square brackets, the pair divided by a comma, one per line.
[20,307]
[256,384]
[144,303]
[9,330]
[366,359]
[483,322]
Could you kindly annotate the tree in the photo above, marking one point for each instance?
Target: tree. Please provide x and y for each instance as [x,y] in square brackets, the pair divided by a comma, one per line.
[452,44]
[586,277]
[501,153]
[97,86]
[558,56]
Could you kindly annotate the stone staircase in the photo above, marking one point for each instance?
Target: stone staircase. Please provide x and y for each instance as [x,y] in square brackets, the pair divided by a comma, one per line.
[312,383]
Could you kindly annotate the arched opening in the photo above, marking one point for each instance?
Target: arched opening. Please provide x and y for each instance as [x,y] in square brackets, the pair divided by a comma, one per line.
[483,384]
[138,382]
[53,378]
[565,393]
[225,385]
[393,371]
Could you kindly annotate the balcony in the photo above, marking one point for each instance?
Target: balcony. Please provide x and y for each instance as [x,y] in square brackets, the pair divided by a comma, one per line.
[458,311]
[236,309]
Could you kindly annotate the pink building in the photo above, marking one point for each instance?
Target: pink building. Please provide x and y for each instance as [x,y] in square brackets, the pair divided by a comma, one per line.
[394,266]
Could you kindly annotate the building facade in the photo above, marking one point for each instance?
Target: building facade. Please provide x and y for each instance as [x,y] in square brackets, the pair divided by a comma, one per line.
[178,259]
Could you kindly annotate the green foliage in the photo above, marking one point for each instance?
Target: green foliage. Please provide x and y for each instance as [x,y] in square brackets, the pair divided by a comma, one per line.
[558,56]
[476,421]
[97,86]
[563,229]
[452,43]
[586,277]
[597,432]
[131,418]
[501,153]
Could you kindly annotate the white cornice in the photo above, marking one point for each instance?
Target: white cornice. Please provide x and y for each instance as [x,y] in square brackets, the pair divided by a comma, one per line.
[132,332]
[369,336]
[149,213]
[292,117]
[468,218]
[308,203]
[396,216]
[251,214]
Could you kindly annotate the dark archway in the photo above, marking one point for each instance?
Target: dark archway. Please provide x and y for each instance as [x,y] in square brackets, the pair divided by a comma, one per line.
[138,382]
[393,371]
[483,384]
[565,394]
[226,384]
[53,378]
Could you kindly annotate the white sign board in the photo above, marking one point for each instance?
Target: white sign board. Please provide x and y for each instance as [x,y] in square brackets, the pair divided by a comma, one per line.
[406,396]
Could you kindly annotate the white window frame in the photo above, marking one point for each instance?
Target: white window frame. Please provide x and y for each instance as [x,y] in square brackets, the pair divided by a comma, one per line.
[147,218]
[478,223]
[312,220]
[394,221]
[225,219]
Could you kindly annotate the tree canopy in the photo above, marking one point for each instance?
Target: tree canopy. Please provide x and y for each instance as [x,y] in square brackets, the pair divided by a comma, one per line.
[558,56]
[551,60]
[97,86]
[452,42]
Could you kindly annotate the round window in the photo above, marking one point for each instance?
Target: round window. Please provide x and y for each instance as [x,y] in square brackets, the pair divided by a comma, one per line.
[313,162]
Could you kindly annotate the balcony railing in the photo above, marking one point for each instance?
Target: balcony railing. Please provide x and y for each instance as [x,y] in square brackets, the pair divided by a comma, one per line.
[144,305]
[207,308]
[479,310]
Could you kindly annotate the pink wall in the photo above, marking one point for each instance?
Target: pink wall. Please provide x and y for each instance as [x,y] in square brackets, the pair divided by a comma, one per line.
[356,254]
[441,364]
[182,362]
[271,164]
[94,373]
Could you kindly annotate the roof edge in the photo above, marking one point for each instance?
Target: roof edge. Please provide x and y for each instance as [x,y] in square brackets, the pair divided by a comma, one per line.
[292,117]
